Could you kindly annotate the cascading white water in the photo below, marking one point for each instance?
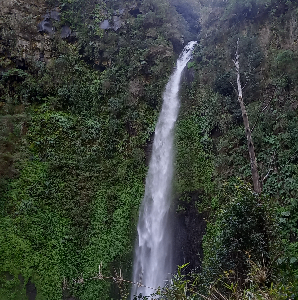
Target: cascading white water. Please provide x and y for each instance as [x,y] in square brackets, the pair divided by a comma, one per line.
[153,253]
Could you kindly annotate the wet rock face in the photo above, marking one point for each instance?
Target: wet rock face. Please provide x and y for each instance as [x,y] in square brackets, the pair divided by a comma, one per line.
[31,291]
[22,26]
[65,32]
[30,287]
[135,12]
[115,24]
[178,44]
[28,28]
[189,75]
[46,26]
[119,17]
[189,231]
[148,149]
[105,24]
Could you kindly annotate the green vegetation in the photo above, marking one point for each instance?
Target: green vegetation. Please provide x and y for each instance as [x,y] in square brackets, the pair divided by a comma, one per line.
[194,168]
[76,129]
[250,247]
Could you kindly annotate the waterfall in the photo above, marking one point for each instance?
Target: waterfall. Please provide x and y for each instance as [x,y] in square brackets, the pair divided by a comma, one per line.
[153,253]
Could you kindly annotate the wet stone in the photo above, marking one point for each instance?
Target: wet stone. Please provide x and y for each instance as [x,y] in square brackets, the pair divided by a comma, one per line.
[65,32]
[31,291]
[46,25]
[135,12]
[117,23]
[105,24]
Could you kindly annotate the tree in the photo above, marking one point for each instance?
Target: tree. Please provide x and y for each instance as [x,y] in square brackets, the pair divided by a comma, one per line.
[251,149]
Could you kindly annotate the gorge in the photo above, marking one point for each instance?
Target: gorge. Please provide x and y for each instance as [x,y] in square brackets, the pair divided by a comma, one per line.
[80,97]
[153,262]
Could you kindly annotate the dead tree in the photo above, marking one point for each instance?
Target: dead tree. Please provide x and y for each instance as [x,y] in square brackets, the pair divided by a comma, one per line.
[251,149]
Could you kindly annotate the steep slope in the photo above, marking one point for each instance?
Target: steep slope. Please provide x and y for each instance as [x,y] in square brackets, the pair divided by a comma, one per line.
[81,85]
[251,241]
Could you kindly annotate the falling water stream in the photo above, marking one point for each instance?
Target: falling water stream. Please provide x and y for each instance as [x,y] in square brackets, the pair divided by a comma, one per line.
[153,253]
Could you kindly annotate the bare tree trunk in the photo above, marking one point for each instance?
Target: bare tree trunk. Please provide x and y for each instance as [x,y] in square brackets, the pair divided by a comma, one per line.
[251,149]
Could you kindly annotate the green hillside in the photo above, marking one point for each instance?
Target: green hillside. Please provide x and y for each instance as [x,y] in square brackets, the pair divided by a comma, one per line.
[80,92]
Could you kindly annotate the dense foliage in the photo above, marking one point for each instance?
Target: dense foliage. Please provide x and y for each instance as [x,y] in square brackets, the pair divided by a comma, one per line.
[250,248]
[76,129]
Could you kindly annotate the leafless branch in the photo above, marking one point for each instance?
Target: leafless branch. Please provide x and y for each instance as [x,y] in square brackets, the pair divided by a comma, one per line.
[252,155]
[204,296]
[117,278]
[267,175]
[245,85]
[214,296]
[223,297]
